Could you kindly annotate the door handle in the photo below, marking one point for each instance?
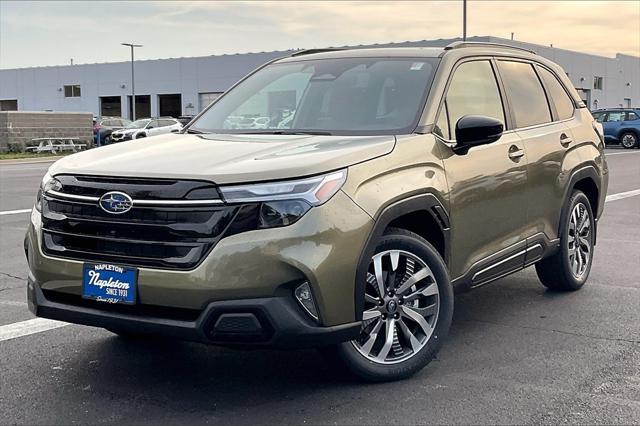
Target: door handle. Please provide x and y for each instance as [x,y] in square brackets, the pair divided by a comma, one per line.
[565,140]
[515,153]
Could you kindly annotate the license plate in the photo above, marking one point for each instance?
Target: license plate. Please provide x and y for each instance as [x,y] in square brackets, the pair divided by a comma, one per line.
[109,283]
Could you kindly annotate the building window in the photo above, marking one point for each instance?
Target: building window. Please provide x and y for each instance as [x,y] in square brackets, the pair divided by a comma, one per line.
[8,105]
[597,83]
[72,91]
[205,99]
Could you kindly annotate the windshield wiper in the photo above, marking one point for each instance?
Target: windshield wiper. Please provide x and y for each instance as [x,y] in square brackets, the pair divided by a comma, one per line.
[285,132]
[195,132]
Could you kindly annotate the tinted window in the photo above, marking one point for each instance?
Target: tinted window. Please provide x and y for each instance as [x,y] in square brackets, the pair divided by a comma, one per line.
[341,96]
[616,116]
[166,123]
[559,97]
[473,91]
[526,96]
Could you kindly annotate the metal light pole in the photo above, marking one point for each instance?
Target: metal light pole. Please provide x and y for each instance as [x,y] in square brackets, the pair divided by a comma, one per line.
[133,80]
[464,20]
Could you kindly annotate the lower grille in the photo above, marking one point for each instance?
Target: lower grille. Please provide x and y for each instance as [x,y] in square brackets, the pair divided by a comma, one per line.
[174,236]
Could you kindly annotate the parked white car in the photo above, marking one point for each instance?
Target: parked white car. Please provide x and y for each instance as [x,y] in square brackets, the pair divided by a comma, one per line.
[146,127]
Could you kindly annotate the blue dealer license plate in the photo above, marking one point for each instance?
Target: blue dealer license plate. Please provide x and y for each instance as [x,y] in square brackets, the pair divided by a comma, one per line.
[109,283]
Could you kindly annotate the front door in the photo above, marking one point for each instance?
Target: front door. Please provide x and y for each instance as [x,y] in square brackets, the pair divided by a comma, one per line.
[487,186]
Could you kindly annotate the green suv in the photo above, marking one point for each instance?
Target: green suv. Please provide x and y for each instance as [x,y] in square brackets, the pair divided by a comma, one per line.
[333,199]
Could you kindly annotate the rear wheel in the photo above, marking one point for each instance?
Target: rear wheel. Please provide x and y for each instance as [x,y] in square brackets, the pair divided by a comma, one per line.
[408,310]
[569,268]
[629,140]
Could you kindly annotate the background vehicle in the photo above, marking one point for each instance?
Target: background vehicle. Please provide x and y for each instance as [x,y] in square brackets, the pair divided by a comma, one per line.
[332,199]
[104,126]
[185,119]
[620,126]
[147,127]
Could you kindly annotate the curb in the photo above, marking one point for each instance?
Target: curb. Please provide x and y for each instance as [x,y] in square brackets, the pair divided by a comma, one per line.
[30,160]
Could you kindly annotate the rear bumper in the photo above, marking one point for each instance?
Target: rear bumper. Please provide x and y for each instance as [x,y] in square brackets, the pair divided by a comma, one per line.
[270,322]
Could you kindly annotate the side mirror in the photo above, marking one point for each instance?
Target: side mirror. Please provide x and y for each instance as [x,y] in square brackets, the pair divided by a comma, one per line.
[474,130]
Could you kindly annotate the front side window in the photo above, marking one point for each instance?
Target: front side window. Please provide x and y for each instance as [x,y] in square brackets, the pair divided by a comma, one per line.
[557,94]
[616,116]
[334,96]
[473,91]
[526,95]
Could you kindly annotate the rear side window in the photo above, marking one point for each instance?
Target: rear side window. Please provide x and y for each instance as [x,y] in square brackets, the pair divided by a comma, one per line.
[632,116]
[527,98]
[557,94]
[473,91]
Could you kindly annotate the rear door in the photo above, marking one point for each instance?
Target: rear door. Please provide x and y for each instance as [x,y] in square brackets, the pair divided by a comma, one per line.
[487,186]
[546,136]
[613,123]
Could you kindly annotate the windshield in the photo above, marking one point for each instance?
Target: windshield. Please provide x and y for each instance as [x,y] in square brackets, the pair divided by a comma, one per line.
[329,96]
[138,124]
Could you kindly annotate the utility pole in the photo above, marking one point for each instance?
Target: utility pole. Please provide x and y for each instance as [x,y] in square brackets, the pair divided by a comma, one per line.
[464,20]
[133,80]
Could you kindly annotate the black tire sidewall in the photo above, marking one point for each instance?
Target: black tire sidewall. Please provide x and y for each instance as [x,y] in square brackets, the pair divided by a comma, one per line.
[369,370]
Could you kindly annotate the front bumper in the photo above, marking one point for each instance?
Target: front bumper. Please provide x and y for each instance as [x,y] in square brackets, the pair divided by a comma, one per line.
[323,248]
[273,322]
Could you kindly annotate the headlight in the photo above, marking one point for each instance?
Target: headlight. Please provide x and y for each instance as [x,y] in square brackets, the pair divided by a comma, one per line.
[48,183]
[283,203]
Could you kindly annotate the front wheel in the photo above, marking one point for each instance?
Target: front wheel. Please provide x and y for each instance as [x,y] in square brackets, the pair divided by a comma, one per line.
[568,269]
[408,310]
[629,140]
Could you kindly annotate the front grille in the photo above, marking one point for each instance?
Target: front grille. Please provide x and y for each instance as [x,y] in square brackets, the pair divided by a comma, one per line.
[167,235]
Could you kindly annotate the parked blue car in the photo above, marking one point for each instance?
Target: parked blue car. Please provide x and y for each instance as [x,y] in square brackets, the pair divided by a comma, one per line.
[620,125]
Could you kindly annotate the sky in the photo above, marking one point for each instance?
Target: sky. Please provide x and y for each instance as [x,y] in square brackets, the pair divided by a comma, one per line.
[51,33]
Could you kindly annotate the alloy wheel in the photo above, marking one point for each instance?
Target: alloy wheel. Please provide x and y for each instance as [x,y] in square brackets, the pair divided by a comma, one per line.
[579,240]
[402,302]
[628,141]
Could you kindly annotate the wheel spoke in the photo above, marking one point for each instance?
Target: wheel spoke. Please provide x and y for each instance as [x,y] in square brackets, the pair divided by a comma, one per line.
[415,279]
[426,311]
[415,344]
[371,299]
[395,258]
[388,342]
[370,314]
[373,336]
[426,328]
[377,267]
[574,264]
[430,290]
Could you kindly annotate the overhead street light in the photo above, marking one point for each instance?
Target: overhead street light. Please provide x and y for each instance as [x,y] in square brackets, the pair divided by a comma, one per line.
[133,80]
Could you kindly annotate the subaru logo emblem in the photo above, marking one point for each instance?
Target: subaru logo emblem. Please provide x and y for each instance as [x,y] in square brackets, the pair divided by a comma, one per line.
[115,202]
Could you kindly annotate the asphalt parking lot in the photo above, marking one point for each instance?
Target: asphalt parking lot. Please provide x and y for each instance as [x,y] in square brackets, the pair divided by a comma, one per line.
[516,354]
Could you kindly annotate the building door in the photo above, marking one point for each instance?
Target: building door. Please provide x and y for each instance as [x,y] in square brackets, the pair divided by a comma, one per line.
[170,105]
[627,102]
[110,106]
[143,107]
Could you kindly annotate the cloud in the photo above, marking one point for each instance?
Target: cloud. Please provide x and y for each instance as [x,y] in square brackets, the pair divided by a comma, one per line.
[43,33]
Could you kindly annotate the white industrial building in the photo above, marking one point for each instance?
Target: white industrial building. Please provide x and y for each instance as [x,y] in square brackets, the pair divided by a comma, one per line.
[184,86]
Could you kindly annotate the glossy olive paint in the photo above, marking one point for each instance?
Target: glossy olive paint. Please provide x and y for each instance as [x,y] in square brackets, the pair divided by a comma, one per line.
[494,202]
[323,246]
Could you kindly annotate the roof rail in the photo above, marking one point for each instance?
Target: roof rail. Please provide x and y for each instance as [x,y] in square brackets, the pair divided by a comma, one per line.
[463,44]
[312,51]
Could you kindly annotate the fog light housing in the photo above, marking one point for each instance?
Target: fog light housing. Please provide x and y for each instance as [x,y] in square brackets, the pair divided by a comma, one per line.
[305,298]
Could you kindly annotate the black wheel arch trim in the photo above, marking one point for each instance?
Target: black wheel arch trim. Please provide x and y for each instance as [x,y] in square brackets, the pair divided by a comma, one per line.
[427,202]
[587,172]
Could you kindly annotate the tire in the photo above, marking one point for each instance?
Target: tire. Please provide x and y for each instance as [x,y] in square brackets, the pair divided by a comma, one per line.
[629,140]
[568,269]
[106,140]
[140,136]
[378,361]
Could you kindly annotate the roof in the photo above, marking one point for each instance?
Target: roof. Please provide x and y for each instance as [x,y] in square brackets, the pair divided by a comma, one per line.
[376,52]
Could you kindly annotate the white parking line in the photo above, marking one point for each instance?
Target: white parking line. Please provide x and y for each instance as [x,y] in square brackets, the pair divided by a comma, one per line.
[8,212]
[621,195]
[25,328]
[608,154]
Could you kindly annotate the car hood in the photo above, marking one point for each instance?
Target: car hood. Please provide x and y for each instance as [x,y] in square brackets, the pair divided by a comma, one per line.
[126,131]
[226,158]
